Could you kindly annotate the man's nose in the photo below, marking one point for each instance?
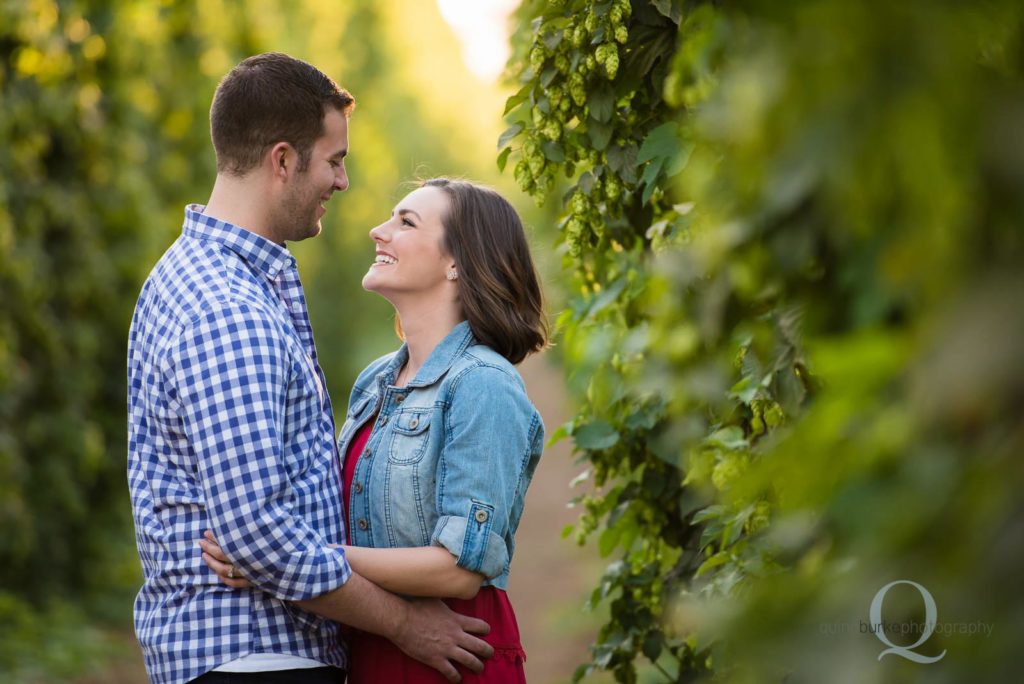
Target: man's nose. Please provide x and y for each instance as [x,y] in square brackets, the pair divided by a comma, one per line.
[341,181]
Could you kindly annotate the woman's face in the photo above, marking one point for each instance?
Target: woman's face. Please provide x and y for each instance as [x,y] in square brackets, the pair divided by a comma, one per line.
[410,259]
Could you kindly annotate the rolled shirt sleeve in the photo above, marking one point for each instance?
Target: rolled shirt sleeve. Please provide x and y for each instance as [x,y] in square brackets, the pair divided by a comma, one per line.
[491,432]
[236,384]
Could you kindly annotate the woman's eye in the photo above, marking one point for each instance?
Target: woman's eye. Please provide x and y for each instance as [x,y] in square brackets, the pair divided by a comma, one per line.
[407,222]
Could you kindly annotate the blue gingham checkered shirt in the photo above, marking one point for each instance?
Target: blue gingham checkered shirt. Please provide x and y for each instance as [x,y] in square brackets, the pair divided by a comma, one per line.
[230,429]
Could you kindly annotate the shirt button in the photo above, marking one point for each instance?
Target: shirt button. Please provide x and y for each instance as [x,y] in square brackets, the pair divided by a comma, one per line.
[362,524]
[358,486]
[481,516]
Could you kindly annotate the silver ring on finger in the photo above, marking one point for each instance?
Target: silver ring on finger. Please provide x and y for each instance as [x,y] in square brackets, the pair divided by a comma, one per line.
[231,572]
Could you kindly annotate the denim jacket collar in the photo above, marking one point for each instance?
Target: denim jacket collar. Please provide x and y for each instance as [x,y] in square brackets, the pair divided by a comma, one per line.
[437,364]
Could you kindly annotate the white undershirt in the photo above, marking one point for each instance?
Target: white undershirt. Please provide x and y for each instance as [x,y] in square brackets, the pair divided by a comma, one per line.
[268,662]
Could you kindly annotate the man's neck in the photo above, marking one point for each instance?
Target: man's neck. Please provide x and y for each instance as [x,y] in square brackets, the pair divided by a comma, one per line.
[238,201]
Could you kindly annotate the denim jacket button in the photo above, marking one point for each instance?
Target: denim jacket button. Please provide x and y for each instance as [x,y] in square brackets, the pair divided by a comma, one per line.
[414,422]
[362,524]
[400,398]
[481,516]
[384,420]
[358,486]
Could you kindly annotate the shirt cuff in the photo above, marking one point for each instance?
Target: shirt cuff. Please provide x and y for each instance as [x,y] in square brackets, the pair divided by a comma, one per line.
[329,572]
[472,542]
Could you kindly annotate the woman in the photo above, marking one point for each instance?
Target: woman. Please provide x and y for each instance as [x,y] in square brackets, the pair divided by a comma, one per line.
[440,440]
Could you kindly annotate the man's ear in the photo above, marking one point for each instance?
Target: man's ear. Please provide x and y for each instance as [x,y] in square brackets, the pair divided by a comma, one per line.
[283,160]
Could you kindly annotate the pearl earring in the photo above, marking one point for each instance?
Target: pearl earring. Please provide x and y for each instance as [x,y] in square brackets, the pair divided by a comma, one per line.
[452,274]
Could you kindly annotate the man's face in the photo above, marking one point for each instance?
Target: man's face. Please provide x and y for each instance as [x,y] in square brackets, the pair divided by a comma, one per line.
[303,204]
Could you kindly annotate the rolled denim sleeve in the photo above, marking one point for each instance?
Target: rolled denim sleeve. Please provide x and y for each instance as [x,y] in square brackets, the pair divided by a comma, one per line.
[491,429]
[232,374]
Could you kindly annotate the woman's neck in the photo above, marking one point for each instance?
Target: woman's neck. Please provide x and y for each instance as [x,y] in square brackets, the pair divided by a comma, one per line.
[424,330]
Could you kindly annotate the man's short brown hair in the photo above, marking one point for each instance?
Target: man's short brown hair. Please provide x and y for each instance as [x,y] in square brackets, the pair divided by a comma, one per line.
[267,99]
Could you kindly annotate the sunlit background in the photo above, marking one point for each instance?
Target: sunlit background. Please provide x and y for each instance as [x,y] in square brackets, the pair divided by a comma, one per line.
[781,242]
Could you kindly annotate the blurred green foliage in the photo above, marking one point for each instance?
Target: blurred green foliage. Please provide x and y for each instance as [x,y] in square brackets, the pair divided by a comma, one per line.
[795,234]
[103,140]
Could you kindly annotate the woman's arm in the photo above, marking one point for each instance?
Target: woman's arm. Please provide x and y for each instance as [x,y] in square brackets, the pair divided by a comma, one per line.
[417,571]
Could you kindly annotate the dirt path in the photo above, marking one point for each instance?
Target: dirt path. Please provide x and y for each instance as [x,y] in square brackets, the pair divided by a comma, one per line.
[551,577]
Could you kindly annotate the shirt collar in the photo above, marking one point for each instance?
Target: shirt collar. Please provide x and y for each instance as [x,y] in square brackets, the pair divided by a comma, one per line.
[440,360]
[262,254]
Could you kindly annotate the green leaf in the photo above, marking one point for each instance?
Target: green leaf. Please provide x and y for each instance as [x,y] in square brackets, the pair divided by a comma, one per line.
[608,540]
[720,558]
[551,40]
[517,99]
[745,390]
[673,9]
[652,645]
[730,437]
[650,175]
[606,296]
[563,431]
[596,435]
[678,161]
[553,151]
[510,132]
[600,133]
[602,104]
[622,158]
[503,158]
[586,182]
[663,142]
[714,511]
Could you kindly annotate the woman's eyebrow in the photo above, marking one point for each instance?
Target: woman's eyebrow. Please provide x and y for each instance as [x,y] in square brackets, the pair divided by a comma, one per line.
[402,212]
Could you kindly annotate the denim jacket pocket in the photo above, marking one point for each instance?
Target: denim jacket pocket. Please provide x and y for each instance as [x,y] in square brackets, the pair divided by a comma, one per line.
[409,435]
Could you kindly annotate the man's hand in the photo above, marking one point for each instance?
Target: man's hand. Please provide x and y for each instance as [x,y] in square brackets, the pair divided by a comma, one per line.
[437,636]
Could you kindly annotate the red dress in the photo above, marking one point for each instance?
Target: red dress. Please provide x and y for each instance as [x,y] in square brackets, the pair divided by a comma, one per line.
[374,659]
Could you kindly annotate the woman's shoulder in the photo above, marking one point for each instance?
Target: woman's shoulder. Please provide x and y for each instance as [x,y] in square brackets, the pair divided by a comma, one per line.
[482,367]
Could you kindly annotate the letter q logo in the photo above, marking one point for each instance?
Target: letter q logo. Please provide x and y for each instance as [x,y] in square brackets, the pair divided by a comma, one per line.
[930,615]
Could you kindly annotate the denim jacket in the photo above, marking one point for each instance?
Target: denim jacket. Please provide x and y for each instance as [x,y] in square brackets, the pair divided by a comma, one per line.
[450,455]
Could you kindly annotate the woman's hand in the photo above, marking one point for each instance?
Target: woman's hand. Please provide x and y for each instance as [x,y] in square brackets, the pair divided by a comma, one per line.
[214,557]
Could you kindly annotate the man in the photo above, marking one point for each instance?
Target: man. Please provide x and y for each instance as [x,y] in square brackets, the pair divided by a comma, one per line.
[230,426]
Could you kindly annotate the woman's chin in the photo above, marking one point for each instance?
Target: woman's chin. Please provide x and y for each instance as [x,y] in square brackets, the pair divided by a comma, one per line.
[373,284]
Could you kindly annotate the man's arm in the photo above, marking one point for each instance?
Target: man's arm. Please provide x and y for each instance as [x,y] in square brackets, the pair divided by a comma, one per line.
[232,376]
[426,630]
